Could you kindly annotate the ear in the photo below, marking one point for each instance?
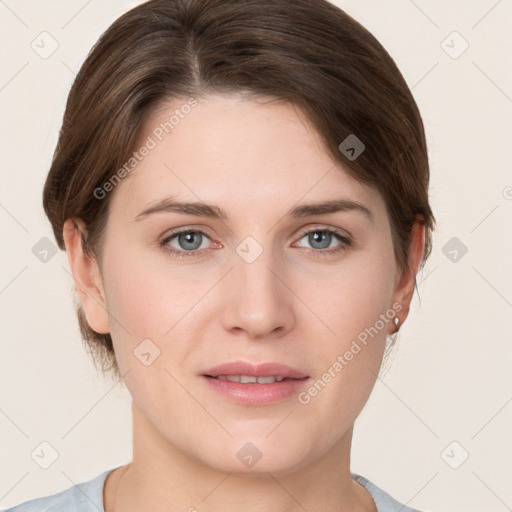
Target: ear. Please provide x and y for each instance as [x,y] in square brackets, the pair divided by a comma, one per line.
[406,280]
[87,276]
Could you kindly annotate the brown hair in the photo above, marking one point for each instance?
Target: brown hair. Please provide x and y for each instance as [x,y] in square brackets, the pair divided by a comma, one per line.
[309,53]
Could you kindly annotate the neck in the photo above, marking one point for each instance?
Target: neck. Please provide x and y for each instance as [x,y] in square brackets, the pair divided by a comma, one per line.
[162,478]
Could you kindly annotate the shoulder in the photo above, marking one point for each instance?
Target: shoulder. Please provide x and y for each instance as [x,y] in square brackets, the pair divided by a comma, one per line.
[383,501]
[82,497]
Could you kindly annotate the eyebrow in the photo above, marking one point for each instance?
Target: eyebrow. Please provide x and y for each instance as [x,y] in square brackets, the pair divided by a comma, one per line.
[207,210]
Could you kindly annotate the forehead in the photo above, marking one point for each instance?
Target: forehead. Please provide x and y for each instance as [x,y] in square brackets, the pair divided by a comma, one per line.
[234,151]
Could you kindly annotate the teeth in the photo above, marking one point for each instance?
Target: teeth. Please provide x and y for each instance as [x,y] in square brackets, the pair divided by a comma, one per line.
[250,379]
[267,380]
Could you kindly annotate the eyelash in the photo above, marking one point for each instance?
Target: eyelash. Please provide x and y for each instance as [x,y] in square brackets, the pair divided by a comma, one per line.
[345,243]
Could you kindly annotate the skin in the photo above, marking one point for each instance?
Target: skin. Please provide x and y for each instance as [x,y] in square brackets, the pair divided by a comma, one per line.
[294,304]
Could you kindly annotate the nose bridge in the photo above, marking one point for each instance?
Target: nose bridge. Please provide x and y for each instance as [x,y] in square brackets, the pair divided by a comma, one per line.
[258,299]
[256,268]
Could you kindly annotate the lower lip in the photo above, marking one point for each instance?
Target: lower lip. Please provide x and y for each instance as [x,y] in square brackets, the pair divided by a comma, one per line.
[256,394]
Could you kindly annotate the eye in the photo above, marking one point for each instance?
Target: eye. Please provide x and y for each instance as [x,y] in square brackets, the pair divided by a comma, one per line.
[321,239]
[189,242]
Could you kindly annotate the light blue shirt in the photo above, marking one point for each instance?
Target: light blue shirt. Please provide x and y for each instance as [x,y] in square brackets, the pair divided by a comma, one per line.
[88,497]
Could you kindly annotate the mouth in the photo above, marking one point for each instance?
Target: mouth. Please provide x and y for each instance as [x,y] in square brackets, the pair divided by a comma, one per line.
[255,384]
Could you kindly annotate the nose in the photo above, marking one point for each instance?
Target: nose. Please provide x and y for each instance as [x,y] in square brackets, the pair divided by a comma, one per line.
[258,299]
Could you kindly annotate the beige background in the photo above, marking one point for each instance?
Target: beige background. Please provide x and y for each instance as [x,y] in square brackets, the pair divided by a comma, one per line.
[450,377]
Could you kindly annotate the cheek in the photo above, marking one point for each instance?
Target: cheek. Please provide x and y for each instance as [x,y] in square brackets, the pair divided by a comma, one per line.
[147,296]
[352,306]
[354,326]
[149,299]
[137,300]
[352,300]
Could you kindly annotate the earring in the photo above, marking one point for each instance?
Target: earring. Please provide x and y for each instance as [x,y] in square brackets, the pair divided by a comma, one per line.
[390,338]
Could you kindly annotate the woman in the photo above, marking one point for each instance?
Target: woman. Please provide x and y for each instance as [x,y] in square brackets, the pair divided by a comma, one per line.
[241,189]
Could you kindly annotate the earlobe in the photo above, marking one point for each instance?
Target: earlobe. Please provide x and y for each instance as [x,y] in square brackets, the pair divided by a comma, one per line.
[87,276]
[404,288]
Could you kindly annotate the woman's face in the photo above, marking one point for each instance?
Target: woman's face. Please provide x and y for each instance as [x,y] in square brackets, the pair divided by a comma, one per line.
[313,292]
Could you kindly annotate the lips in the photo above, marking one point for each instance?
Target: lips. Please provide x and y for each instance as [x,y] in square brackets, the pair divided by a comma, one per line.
[255,384]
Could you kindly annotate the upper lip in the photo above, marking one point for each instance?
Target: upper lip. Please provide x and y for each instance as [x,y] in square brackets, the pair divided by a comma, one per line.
[255,370]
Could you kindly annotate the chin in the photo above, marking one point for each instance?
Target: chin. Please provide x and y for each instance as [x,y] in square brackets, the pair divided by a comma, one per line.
[257,455]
